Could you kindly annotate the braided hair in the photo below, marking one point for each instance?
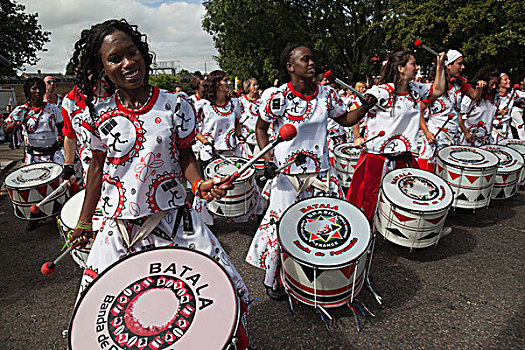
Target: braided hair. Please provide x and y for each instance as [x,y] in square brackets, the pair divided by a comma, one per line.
[286,55]
[390,74]
[86,62]
[211,83]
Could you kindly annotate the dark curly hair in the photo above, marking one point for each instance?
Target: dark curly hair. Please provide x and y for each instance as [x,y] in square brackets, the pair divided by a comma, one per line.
[211,83]
[486,73]
[86,62]
[28,84]
[284,77]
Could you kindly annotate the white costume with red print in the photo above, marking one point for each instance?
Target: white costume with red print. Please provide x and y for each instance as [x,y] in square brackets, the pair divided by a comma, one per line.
[337,135]
[501,128]
[438,111]
[473,112]
[193,99]
[142,175]
[40,131]
[60,99]
[400,123]
[249,113]
[309,114]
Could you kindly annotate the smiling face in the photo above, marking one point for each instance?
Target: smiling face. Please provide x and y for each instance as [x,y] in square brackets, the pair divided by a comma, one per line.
[409,70]
[455,68]
[302,63]
[224,85]
[122,61]
[254,87]
[504,82]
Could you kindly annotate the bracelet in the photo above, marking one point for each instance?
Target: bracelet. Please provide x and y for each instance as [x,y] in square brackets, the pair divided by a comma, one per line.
[195,187]
[84,225]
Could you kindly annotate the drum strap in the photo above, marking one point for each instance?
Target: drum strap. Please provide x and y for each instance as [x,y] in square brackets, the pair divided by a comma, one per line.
[302,181]
[151,222]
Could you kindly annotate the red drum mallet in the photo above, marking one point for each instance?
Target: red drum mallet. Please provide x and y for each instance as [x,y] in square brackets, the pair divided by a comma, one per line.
[35,208]
[379,134]
[450,117]
[49,267]
[329,74]
[514,88]
[286,133]
[420,44]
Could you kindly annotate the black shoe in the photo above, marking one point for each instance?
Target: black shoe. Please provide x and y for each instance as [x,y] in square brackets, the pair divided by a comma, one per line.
[276,294]
[31,226]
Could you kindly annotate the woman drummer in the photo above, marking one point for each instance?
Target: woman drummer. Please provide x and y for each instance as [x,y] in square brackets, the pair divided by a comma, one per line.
[507,98]
[141,139]
[400,123]
[308,106]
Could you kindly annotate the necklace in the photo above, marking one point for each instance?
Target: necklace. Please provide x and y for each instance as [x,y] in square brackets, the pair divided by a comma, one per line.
[150,95]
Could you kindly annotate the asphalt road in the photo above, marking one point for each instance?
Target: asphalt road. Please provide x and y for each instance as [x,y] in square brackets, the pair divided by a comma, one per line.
[466,293]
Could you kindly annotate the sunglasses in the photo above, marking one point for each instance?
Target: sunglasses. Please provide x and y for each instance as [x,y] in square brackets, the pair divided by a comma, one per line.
[50,82]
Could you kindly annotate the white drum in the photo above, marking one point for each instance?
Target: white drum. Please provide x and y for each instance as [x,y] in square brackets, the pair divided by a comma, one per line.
[510,167]
[517,145]
[243,198]
[412,208]
[324,247]
[252,148]
[163,298]
[470,172]
[346,157]
[67,221]
[32,183]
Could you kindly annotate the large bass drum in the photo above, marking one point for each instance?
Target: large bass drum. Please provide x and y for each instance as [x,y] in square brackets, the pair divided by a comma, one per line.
[412,208]
[510,167]
[324,243]
[470,172]
[165,298]
[517,145]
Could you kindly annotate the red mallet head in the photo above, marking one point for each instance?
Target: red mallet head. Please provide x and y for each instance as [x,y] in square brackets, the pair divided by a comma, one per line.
[34,209]
[73,188]
[480,123]
[287,132]
[418,43]
[516,86]
[520,126]
[451,116]
[47,268]
[381,133]
[328,74]
[452,79]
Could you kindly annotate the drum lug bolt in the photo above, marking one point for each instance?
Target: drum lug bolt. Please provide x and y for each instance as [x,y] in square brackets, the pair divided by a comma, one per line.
[240,292]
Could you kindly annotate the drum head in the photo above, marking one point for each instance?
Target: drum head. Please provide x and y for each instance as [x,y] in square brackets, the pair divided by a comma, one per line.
[157,299]
[347,150]
[417,190]
[221,168]
[33,175]
[515,144]
[467,157]
[70,212]
[324,232]
[510,160]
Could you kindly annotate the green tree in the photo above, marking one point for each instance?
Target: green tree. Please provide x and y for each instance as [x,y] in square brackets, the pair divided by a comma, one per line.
[21,37]
[164,81]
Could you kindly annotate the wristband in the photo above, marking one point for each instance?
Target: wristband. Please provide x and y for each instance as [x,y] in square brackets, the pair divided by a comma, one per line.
[84,225]
[195,187]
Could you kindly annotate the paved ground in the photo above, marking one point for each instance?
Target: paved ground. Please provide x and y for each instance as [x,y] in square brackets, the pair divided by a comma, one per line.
[466,293]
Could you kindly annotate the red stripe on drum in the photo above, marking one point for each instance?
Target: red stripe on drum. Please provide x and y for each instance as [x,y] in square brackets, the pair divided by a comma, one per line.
[472,178]
[323,292]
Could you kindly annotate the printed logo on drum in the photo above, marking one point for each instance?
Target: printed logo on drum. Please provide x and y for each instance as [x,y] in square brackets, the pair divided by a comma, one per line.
[418,188]
[467,155]
[324,229]
[505,159]
[133,324]
[34,174]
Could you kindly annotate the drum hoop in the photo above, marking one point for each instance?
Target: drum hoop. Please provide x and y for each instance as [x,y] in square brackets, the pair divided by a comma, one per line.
[419,211]
[35,186]
[237,298]
[460,166]
[239,179]
[505,170]
[331,267]
[70,198]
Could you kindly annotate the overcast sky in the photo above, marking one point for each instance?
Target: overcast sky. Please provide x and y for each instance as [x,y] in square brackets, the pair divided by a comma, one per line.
[173,28]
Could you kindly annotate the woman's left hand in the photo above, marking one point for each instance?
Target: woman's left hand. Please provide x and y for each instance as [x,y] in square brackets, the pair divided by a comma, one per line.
[211,189]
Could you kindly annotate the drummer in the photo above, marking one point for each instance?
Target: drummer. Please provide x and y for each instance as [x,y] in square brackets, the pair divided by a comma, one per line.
[41,124]
[249,104]
[308,106]
[477,116]
[507,99]
[401,97]
[141,139]
[440,108]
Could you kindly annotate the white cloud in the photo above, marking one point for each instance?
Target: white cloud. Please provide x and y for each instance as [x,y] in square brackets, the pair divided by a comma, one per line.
[173,28]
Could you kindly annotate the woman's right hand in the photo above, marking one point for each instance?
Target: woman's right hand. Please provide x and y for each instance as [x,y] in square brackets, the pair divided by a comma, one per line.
[80,237]
[430,137]
[358,142]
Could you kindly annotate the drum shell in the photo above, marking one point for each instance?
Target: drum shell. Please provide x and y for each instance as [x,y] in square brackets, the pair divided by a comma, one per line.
[416,229]
[333,286]
[252,148]
[506,183]
[519,146]
[472,187]
[48,209]
[345,164]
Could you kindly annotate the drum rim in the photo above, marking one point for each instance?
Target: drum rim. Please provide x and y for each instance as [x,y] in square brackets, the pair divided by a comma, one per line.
[418,211]
[70,198]
[309,264]
[237,297]
[240,179]
[338,153]
[507,170]
[35,186]
[461,166]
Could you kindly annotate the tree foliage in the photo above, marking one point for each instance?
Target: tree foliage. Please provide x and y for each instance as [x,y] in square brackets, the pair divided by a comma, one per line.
[21,37]
[345,34]
[164,81]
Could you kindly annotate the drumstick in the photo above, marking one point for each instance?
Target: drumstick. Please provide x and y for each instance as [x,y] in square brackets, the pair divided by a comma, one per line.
[286,133]
[476,127]
[49,267]
[515,87]
[329,74]
[450,117]
[227,160]
[419,43]
[35,208]
[299,160]
[379,134]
